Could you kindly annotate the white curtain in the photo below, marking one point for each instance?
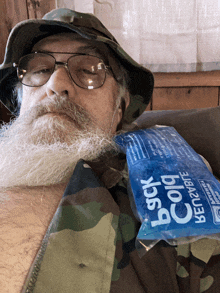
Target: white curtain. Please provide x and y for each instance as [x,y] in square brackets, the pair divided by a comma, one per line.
[163,35]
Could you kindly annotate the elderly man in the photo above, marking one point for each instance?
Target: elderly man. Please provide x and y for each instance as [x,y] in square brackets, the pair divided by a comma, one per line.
[66,221]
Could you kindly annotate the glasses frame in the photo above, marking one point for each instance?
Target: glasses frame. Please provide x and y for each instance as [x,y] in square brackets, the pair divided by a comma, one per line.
[65,64]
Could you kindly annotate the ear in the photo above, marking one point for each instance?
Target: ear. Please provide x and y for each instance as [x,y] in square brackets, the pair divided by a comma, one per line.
[124,103]
[127,99]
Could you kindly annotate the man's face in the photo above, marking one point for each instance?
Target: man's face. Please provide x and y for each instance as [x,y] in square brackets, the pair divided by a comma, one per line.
[98,103]
[59,122]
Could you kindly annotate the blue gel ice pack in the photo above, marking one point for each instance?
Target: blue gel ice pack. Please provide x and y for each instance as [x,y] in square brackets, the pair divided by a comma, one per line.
[174,195]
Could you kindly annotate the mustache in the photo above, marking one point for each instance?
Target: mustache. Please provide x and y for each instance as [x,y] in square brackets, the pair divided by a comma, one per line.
[63,106]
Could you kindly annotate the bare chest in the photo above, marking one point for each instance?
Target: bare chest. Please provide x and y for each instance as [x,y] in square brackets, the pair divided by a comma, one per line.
[24,218]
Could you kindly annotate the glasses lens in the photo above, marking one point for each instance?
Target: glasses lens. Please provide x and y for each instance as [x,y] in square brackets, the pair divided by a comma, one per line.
[35,69]
[87,71]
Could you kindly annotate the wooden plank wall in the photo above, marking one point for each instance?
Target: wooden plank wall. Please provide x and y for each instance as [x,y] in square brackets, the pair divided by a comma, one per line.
[172,90]
[175,91]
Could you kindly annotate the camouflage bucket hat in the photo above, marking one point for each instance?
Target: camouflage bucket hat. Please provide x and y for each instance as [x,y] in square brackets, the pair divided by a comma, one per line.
[27,33]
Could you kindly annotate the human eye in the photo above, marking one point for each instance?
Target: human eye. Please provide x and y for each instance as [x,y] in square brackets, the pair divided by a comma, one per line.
[88,70]
[38,75]
[41,70]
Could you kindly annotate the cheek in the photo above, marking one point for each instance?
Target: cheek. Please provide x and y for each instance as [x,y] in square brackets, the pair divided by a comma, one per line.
[102,109]
[102,101]
[30,97]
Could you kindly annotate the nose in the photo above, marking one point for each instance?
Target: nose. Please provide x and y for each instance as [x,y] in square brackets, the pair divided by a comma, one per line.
[60,83]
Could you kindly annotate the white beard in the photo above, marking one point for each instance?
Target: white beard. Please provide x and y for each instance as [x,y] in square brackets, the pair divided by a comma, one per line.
[40,150]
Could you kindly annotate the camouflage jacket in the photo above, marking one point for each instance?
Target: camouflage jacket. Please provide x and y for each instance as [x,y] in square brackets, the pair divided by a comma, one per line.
[90,244]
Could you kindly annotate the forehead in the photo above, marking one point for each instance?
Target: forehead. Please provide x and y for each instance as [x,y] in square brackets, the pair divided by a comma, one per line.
[71,43]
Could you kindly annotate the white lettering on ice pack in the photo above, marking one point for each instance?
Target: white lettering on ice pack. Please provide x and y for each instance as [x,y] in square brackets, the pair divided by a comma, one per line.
[173,192]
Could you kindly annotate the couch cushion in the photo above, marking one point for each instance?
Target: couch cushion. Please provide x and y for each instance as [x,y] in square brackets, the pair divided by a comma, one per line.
[199,127]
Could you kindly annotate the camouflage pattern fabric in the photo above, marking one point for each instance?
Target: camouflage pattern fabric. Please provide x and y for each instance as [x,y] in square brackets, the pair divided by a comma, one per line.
[90,244]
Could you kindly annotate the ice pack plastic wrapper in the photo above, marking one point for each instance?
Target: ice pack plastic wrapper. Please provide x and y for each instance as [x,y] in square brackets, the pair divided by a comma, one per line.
[172,192]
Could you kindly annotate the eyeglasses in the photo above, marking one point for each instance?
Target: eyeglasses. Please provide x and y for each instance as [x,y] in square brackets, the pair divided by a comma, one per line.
[86,71]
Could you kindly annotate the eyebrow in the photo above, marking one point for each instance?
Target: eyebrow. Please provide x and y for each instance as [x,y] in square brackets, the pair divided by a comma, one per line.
[101,53]
[89,49]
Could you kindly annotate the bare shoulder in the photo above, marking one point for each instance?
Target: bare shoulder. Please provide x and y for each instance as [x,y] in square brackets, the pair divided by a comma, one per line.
[24,216]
